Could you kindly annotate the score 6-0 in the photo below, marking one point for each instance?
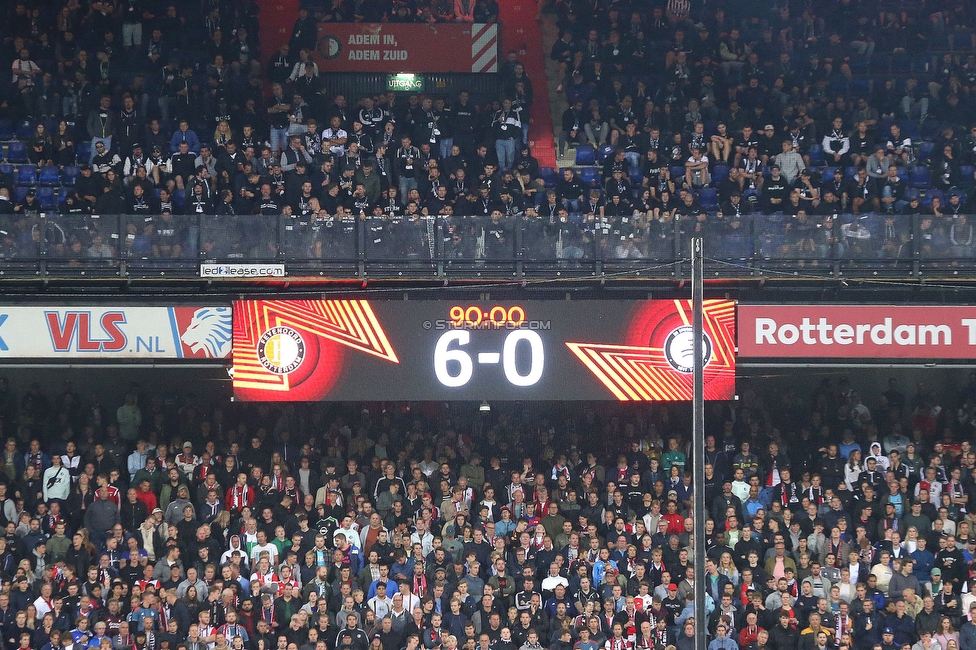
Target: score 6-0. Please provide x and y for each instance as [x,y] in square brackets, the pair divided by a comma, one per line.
[454,367]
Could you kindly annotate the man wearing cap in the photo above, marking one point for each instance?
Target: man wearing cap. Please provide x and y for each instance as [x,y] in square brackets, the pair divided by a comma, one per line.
[776,190]
[133,161]
[888,639]
[187,460]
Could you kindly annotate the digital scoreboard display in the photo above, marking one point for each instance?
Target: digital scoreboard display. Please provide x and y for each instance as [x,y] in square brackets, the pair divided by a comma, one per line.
[365,350]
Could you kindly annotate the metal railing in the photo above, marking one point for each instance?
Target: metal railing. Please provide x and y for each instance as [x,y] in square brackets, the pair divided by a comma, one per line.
[459,248]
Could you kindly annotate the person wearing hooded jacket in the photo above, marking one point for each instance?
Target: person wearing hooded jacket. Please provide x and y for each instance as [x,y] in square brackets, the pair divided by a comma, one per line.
[878,455]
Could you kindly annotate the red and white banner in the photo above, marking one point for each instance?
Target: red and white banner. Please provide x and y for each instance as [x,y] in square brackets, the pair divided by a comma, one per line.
[116,332]
[857,332]
[414,47]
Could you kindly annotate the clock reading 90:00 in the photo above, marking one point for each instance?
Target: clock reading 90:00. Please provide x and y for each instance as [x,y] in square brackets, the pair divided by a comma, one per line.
[454,366]
[475,316]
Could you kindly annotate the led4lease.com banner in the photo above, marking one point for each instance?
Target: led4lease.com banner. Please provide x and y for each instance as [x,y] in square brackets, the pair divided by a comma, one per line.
[439,350]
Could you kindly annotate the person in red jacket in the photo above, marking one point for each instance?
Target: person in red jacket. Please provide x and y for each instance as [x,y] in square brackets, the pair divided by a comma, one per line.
[145,494]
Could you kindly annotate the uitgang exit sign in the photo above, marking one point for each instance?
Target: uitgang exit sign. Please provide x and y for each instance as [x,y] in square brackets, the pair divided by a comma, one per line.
[410,83]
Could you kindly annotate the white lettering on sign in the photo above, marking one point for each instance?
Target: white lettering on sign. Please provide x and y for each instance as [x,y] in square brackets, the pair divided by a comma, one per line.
[824,332]
[364,55]
[364,39]
[377,55]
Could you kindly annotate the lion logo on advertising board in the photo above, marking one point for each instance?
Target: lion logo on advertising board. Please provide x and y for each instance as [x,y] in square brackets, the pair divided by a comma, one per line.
[210,331]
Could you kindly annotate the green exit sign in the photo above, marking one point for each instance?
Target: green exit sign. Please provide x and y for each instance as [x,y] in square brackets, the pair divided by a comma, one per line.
[407,83]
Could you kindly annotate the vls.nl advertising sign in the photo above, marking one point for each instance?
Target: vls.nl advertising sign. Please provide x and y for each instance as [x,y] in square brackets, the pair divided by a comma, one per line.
[88,332]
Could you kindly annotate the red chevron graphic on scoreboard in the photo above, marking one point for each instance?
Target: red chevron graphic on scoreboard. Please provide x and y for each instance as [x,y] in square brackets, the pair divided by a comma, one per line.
[325,328]
[351,323]
[646,373]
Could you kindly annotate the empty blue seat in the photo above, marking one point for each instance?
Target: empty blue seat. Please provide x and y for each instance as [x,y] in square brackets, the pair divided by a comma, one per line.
[6,130]
[179,197]
[962,40]
[708,198]
[828,172]
[719,174]
[25,129]
[7,169]
[738,246]
[920,177]
[19,193]
[83,152]
[69,175]
[590,176]
[923,61]
[47,197]
[909,128]
[677,171]
[605,152]
[850,173]
[929,129]
[548,175]
[816,155]
[772,245]
[925,151]
[17,152]
[967,172]
[49,176]
[901,63]
[27,175]
[585,155]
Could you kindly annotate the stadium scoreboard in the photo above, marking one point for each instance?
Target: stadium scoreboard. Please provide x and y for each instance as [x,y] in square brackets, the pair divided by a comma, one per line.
[311,350]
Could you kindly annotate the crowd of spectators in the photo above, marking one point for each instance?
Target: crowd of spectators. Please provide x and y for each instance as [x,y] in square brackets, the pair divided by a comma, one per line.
[808,132]
[403,11]
[168,524]
[165,113]
[751,108]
